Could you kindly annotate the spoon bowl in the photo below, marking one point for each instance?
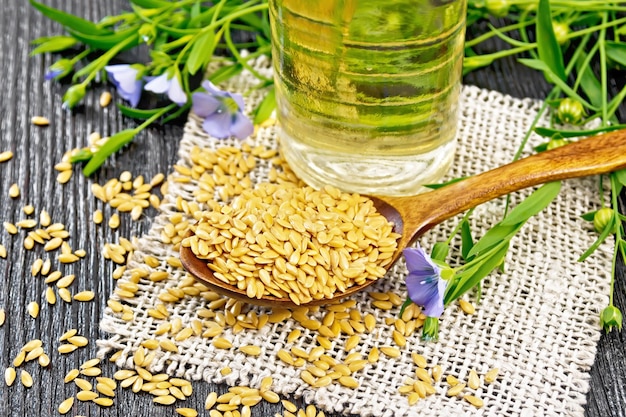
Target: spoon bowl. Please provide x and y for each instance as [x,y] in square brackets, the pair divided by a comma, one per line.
[414,215]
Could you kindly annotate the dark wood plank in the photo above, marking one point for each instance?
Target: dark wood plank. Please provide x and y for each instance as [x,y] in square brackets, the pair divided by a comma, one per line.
[37,149]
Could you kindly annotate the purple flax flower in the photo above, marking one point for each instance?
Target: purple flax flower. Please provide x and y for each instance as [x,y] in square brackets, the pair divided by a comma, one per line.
[424,283]
[222,112]
[128,81]
[171,85]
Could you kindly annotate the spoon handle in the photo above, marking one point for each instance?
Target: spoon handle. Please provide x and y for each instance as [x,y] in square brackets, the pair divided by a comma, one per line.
[592,156]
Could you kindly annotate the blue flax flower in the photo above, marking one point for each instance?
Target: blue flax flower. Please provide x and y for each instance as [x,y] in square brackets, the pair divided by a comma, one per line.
[170,85]
[222,112]
[59,69]
[424,284]
[128,79]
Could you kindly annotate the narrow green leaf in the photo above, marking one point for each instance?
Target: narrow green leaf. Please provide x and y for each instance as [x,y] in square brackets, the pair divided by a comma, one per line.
[467,242]
[589,83]
[112,145]
[266,107]
[616,51]
[471,277]
[106,42]
[547,46]
[605,233]
[541,66]
[201,51]
[55,44]
[224,73]
[69,21]
[532,204]
[151,4]
[140,114]
[549,132]
[494,236]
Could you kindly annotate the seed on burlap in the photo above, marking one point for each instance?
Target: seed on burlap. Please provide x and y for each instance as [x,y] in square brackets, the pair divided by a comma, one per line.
[455,390]
[466,306]
[473,381]
[475,401]
[491,375]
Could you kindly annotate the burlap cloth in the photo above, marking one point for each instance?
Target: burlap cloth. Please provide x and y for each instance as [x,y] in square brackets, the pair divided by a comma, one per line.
[537,321]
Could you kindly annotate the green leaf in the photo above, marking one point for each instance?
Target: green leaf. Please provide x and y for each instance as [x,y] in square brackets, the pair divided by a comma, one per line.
[266,107]
[616,51]
[620,176]
[605,233]
[494,236]
[532,204]
[106,42]
[69,21]
[224,73]
[140,114]
[55,44]
[440,251]
[547,46]
[542,66]
[112,145]
[589,83]
[588,216]
[549,132]
[202,51]
[471,277]
[467,242]
[151,4]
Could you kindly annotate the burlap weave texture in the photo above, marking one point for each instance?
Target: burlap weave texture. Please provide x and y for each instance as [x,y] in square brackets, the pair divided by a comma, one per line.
[537,321]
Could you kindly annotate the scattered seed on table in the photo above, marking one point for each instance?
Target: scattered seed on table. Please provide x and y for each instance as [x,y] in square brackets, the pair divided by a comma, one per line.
[165,399]
[10,228]
[98,216]
[114,221]
[14,191]
[44,360]
[3,251]
[26,379]
[86,395]
[103,401]
[64,176]
[210,401]
[33,309]
[40,121]
[66,405]
[105,99]
[71,375]
[79,341]
[5,156]
[2,316]
[9,376]
[84,296]
[67,348]
[187,412]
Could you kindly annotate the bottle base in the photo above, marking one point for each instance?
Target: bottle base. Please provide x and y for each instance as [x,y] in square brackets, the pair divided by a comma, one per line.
[372,175]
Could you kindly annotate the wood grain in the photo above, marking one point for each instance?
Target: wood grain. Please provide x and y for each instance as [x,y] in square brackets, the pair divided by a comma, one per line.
[37,149]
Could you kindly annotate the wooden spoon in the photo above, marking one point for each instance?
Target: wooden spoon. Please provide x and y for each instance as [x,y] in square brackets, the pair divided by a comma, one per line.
[412,216]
